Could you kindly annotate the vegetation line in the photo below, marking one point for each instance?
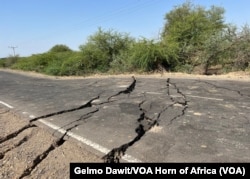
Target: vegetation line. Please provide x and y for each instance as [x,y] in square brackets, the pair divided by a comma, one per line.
[194,39]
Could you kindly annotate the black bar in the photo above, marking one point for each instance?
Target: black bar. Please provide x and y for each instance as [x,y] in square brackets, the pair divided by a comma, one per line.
[78,170]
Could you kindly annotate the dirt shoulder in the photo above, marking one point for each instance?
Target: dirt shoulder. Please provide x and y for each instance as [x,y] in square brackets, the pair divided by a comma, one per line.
[240,75]
[34,152]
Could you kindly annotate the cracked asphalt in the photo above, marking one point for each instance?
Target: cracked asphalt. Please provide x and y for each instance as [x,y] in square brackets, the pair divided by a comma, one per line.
[135,118]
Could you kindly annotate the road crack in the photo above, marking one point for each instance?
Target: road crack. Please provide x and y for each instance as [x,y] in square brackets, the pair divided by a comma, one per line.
[86,105]
[183,103]
[14,134]
[82,118]
[145,124]
[42,156]
[53,146]
[57,143]
[19,143]
[30,124]
[128,90]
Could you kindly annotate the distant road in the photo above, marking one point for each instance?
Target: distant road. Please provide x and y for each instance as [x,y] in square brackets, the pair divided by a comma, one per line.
[139,119]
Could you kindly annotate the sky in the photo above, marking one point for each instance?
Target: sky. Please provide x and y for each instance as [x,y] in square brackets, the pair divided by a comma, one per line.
[34,26]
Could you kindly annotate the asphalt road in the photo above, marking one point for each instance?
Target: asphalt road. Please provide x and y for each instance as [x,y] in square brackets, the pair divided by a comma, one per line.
[139,119]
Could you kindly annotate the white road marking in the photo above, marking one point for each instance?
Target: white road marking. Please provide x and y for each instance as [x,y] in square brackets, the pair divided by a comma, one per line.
[122,86]
[94,145]
[217,99]
[5,104]
[150,92]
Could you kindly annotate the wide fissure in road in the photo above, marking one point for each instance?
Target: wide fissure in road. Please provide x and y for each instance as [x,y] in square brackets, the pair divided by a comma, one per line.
[138,119]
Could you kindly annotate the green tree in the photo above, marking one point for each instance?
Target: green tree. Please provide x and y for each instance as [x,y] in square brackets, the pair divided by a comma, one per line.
[242,49]
[186,30]
[229,48]
[102,47]
[60,48]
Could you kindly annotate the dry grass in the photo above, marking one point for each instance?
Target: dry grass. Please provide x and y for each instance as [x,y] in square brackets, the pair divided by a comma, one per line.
[241,75]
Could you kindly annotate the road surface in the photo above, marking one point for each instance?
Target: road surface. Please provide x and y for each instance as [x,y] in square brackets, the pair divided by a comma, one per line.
[136,118]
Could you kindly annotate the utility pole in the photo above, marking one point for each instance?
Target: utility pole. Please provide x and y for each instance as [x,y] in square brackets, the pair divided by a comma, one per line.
[13,48]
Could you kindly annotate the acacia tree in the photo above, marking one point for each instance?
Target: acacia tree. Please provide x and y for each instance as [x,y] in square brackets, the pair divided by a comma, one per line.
[242,49]
[186,30]
[102,48]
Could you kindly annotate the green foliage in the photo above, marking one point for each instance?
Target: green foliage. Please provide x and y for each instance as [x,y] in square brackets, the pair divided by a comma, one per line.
[143,56]
[242,49]
[24,63]
[73,65]
[50,63]
[215,50]
[147,55]
[2,63]
[102,48]
[187,29]
[60,48]
[36,63]
[228,48]
[40,62]
[193,37]
[9,61]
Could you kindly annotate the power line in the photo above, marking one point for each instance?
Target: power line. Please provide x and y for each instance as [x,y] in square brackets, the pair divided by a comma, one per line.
[13,48]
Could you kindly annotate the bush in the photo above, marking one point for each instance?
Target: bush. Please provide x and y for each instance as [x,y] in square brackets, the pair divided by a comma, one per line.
[143,56]
[8,62]
[2,63]
[73,65]
[36,63]
[25,63]
[60,48]
[53,68]
[102,48]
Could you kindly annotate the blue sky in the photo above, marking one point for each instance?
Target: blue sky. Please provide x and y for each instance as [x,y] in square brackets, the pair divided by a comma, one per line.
[34,26]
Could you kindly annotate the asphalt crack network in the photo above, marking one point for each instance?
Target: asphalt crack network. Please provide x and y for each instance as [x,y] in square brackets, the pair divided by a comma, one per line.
[183,102]
[83,118]
[184,99]
[61,140]
[145,123]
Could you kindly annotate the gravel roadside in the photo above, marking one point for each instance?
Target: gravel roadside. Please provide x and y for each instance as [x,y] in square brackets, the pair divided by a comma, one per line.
[34,152]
